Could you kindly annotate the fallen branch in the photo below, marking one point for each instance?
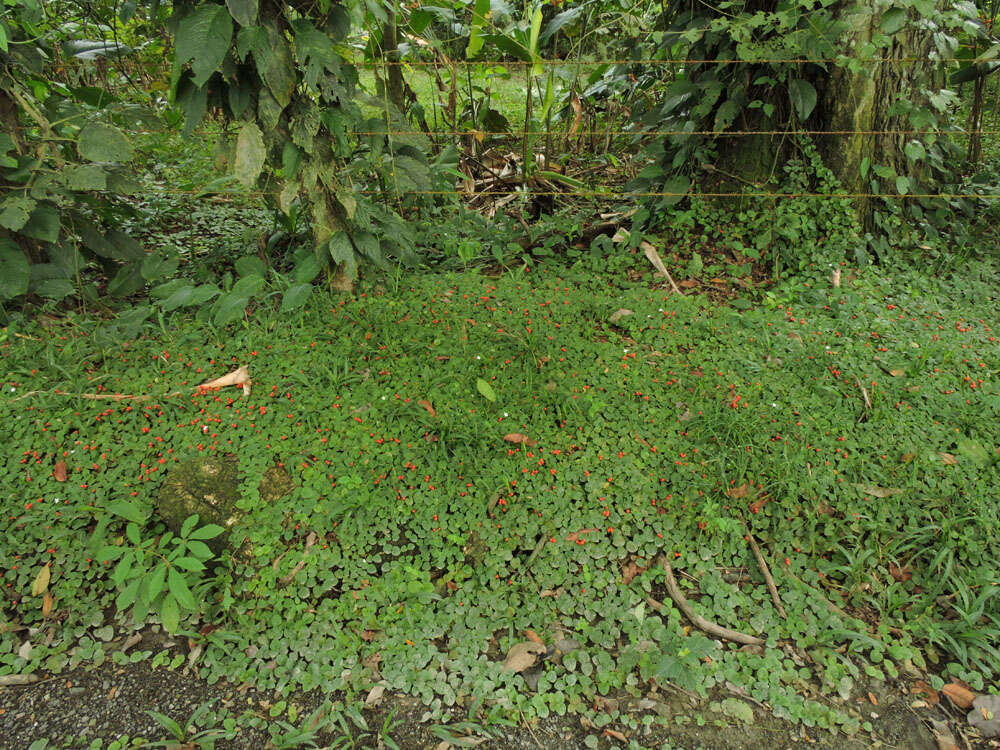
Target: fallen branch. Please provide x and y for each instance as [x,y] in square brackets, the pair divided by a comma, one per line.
[766,572]
[239,377]
[697,620]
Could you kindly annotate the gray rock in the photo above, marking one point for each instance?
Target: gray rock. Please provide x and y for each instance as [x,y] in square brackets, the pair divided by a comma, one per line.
[985,715]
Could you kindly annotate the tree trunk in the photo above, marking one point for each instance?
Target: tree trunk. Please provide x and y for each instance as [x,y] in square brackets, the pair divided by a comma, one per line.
[863,99]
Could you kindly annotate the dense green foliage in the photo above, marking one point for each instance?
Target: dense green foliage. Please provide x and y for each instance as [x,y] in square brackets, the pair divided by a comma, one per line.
[434,543]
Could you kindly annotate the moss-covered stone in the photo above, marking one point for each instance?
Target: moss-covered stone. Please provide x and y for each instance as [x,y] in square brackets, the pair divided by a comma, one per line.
[210,487]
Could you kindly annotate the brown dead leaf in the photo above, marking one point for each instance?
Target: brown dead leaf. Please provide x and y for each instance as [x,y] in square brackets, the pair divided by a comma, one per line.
[59,471]
[872,698]
[41,582]
[926,692]
[520,439]
[577,106]
[960,695]
[897,373]
[900,574]
[630,570]
[687,283]
[25,651]
[427,405]
[532,636]
[943,736]
[907,457]
[738,493]
[948,459]
[835,278]
[654,257]
[616,735]
[375,696]
[576,536]
[47,604]
[523,656]
[240,376]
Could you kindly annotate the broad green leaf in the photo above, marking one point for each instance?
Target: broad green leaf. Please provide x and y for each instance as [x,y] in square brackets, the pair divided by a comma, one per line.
[171,617]
[15,273]
[803,96]
[101,142]
[229,308]
[676,188]
[158,265]
[85,177]
[902,185]
[893,20]
[865,165]
[315,52]
[486,390]
[126,597]
[248,286]
[342,251]
[250,265]
[54,288]
[199,549]
[157,580]
[179,589]
[244,12]
[203,38]
[480,14]
[250,154]
[43,224]
[208,531]
[189,564]
[915,150]
[179,298]
[273,59]
[307,270]
[15,212]
[189,523]
[296,297]
[127,281]
[127,510]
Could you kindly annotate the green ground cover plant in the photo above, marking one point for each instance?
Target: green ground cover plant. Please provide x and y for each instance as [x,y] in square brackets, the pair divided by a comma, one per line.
[476,457]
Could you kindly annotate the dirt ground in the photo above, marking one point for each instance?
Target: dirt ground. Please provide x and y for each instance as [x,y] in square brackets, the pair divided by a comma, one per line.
[109,701]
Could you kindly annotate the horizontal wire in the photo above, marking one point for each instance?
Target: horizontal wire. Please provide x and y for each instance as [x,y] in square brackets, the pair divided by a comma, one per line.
[649,61]
[603,194]
[719,133]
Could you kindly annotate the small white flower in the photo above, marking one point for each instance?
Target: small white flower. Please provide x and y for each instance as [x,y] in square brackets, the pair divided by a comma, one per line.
[478,357]
[13,389]
[506,414]
[383,398]
[775,406]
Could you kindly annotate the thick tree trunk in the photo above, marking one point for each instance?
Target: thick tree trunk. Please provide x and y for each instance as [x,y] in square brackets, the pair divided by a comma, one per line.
[863,100]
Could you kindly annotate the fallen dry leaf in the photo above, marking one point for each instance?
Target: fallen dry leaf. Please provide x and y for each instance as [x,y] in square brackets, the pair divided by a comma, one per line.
[577,106]
[900,574]
[616,734]
[688,283]
[630,570]
[617,315]
[427,405]
[943,736]
[835,278]
[59,471]
[518,438]
[654,257]
[576,536]
[738,493]
[897,373]
[925,691]
[948,459]
[41,583]
[522,656]
[872,698]
[375,695]
[46,604]
[960,695]
[907,457]
[25,651]
[532,636]
[240,376]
